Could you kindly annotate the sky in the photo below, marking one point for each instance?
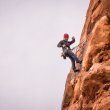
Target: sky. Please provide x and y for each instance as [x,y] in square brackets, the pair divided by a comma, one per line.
[32,73]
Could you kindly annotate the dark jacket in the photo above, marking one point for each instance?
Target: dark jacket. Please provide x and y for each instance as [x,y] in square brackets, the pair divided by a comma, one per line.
[65,44]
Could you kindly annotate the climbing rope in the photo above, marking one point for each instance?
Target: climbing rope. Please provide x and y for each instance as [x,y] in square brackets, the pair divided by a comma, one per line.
[81,48]
[78,47]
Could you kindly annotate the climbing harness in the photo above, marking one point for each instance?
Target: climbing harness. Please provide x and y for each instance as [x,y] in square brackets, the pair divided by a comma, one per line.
[76,48]
[63,55]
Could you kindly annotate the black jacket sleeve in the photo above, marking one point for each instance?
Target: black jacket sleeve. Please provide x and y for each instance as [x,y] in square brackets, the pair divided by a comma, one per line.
[71,42]
[60,44]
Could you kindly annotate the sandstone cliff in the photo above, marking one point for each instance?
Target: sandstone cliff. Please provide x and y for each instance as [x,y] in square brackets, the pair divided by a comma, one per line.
[90,88]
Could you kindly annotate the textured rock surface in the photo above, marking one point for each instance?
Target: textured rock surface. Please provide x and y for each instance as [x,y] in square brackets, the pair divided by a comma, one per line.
[90,89]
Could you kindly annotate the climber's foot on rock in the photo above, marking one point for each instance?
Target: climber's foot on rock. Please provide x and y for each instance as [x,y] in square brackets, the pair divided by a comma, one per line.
[79,62]
[76,70]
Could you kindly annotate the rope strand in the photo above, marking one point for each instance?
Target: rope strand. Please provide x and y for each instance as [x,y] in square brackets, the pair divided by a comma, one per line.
[78,45]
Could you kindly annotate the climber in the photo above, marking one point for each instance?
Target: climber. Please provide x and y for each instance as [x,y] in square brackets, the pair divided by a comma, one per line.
[67,52]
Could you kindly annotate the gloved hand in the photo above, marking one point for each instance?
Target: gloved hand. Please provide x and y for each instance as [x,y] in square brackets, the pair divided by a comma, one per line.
[73,38]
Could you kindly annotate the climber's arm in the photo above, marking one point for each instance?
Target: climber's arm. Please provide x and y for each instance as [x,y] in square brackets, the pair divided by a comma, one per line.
[60,44]
[71,42]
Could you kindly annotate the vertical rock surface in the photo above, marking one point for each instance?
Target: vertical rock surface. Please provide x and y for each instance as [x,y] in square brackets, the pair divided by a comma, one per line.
[90,88]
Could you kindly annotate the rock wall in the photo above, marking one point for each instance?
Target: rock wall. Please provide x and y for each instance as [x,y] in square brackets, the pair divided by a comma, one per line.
[90,88]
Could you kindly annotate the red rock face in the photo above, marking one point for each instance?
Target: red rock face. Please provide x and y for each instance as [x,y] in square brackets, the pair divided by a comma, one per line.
[90,89]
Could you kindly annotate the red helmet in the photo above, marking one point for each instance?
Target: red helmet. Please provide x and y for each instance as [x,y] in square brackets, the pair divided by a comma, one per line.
[66,36]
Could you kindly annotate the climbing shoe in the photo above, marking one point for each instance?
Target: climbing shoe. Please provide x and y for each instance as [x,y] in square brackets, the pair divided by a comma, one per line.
[79,62]
[76,70]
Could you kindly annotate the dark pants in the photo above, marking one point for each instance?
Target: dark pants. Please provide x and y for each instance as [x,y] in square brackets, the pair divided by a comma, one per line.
[73,58]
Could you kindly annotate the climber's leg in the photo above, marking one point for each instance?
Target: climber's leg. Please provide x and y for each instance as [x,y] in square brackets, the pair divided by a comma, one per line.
[71,54]
[72,62]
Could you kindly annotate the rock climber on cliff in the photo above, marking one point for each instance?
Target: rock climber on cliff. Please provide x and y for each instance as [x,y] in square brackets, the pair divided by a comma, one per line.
[67,52]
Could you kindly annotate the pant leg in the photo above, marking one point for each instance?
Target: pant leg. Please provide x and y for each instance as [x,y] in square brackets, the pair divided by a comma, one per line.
[72,62]
[71,54]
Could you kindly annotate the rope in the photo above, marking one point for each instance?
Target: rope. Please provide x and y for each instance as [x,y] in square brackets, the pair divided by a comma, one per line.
[78,45]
